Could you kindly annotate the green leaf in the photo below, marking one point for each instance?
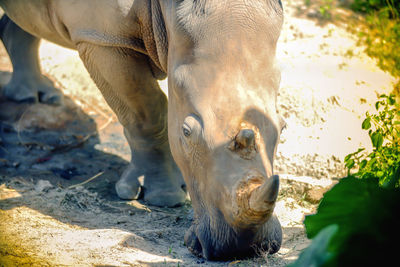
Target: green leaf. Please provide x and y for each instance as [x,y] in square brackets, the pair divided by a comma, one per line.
[348,157]
[316,254]
[359,150]
[366,124]
[377,139]
[350,164]
[364,213]
[377,105]
[363,163]
[382,96]
[373,159]
[391,100]
[391,181]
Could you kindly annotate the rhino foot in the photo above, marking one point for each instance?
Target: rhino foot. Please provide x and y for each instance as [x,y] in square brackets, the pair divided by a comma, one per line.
[159,188]
[33,90]
[164,186]
[169,197]
[128,186]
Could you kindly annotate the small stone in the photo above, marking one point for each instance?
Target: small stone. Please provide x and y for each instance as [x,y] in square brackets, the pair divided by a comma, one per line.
[43,186]
[16,164]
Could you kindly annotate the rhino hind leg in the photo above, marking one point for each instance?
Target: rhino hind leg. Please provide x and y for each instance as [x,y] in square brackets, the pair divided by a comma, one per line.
[27,83]
[127,83]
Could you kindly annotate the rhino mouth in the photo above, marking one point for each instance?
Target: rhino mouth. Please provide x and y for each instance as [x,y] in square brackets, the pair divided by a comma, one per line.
[222,242]
[241,230]
[202,244]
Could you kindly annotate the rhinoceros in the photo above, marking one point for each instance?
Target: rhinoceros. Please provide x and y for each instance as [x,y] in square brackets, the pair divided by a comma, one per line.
[221,126]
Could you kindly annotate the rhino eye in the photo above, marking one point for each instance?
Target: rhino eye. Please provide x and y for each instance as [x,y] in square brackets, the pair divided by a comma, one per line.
[186,130]
[191,127]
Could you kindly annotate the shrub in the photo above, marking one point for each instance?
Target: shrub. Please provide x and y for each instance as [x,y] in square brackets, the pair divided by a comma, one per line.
[383,129]
[382,37]
[369,6]
[355,225]
[381,33]
[356,222]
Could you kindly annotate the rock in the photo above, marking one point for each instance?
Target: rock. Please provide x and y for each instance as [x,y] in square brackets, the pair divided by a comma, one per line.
[311,189]
[315,194]
[313,13]
[43,186]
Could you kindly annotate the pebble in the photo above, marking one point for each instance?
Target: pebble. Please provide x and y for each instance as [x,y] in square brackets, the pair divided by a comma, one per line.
[43,186]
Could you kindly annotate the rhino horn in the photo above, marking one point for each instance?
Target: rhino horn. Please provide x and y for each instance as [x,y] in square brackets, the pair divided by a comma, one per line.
[263,198]
[255,201]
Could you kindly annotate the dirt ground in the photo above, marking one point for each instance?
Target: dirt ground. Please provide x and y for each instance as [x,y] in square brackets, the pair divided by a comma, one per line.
[58,165]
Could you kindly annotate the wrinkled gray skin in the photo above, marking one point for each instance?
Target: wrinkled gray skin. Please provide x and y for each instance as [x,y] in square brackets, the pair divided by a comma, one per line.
[222,122]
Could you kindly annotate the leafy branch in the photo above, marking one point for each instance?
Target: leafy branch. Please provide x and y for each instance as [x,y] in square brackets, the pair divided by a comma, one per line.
[384,131]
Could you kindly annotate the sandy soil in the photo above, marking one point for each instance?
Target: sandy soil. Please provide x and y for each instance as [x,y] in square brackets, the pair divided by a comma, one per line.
[57,200]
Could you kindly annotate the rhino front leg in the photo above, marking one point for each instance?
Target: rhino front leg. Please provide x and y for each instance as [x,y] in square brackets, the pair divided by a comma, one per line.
[129,87]
[27,83]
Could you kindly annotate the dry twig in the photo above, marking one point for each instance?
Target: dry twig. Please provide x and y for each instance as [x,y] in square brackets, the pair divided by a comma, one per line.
[87,181]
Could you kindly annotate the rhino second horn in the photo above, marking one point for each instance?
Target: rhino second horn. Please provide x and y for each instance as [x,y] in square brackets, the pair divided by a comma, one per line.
[245,138]
[263,198]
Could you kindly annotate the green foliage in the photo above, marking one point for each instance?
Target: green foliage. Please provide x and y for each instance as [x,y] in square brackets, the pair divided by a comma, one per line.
[356,222]
[325,9]
[317,254]
[381,33]
[384,131]
[381,37]
[368,232]
[369,6]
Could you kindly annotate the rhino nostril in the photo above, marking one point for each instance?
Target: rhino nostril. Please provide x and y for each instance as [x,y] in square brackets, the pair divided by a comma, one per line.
[245,139]
[184,187]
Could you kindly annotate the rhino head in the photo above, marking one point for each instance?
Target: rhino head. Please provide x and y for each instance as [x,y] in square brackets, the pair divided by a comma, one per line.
[222,120]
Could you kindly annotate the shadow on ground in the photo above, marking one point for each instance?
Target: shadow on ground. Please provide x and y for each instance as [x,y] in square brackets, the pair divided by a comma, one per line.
[49,163]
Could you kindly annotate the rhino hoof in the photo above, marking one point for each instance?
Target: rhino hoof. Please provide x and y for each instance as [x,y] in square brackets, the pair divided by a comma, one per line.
[21,93]
[165,198]
[53,98]
[128,186]
[33,90]
[127,191]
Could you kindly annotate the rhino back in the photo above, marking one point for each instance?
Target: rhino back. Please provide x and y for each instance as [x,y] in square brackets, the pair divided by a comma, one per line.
[35,17]
[68,22]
